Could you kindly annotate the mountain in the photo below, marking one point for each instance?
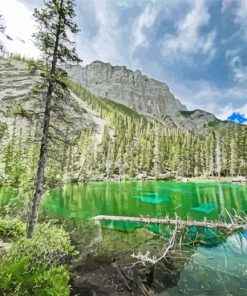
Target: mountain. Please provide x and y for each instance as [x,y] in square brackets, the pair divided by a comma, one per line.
[97,138]
[137,91]
[238,118]
[128,87]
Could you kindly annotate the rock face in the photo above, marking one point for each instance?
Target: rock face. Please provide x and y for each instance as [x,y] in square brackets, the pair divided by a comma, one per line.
[142,94]
[197,120]
[131,88]
[21,105]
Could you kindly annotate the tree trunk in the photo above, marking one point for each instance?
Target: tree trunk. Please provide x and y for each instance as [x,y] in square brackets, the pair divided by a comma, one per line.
[39,186]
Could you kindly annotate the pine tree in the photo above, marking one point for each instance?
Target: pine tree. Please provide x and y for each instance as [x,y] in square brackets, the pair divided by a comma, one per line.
[55,23]
[234,157]
[157,151]
[226,153]
[242,147]
[218,155]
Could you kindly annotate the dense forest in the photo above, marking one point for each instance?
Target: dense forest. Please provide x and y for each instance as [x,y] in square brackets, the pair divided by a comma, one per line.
[130,145]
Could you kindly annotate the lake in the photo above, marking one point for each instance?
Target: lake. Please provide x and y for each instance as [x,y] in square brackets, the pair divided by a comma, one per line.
[153,199]
[216,266]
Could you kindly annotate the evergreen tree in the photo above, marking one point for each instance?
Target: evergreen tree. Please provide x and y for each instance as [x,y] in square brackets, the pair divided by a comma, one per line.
[55,23]
[157,151]
[218,155]
[234,157]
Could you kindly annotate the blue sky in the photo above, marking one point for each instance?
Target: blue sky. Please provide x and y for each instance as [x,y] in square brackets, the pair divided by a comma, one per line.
[198,47]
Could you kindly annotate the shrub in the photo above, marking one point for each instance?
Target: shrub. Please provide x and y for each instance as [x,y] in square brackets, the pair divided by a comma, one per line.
[36,266]
[11,228]
[15,279]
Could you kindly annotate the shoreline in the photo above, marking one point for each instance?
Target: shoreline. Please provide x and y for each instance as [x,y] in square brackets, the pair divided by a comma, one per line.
[178,180]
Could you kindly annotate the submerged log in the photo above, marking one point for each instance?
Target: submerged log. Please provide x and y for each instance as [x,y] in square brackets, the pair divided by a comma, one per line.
[181,223]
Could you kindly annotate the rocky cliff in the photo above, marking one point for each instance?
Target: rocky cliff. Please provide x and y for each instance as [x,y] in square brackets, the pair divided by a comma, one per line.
[139,92]
[132,88]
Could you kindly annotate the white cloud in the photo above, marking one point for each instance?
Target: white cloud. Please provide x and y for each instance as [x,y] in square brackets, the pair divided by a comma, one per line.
[225,4]
[20,26]
[145,20]
[241,18]
[189,38]
[105,45]
[200,94]
[237,68]
[240,13]
[227,110]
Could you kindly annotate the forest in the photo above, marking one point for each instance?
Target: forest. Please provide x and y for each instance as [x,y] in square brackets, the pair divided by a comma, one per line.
[130,145]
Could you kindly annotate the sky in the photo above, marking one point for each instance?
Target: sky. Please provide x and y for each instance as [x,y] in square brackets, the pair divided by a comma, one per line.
[197,47]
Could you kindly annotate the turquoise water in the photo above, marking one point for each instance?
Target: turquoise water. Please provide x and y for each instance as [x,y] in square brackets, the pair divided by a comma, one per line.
[215,266]
[153,199]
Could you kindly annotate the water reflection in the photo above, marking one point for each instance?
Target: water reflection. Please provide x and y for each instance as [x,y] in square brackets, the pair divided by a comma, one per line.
[154,199]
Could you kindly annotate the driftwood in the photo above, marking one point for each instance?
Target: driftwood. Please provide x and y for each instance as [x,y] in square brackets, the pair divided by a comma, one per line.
[237,222]
[147,258]
[234,225]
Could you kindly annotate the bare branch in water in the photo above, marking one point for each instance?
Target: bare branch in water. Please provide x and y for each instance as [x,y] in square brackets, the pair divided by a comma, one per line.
[236,222]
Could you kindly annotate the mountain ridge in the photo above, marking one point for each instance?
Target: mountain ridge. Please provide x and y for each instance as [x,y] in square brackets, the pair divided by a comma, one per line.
[109,81]
[94,138]
[141,93]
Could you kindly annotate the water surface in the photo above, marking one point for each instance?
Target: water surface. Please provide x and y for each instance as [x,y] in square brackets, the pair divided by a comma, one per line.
[153,199]
[217,266]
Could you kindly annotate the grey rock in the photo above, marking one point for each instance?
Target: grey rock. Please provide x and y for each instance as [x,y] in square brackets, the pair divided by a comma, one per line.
[132,88]
[18,95]
[140,93]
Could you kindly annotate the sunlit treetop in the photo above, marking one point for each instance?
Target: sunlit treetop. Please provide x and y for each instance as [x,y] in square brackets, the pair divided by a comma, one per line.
[56,25]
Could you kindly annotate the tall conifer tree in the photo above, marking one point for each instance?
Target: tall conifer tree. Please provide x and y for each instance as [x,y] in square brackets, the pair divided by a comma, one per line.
[56,23]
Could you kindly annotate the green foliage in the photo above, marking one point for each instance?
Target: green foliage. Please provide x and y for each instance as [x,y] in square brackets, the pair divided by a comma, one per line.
[17,281]
[48,246]
[130,144]
[36,266]
[11,228]
[18,157]
[17,109]
[3,128]
[56,22]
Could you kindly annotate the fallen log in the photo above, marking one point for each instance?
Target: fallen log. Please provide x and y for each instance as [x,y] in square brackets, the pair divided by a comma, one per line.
[182,223]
